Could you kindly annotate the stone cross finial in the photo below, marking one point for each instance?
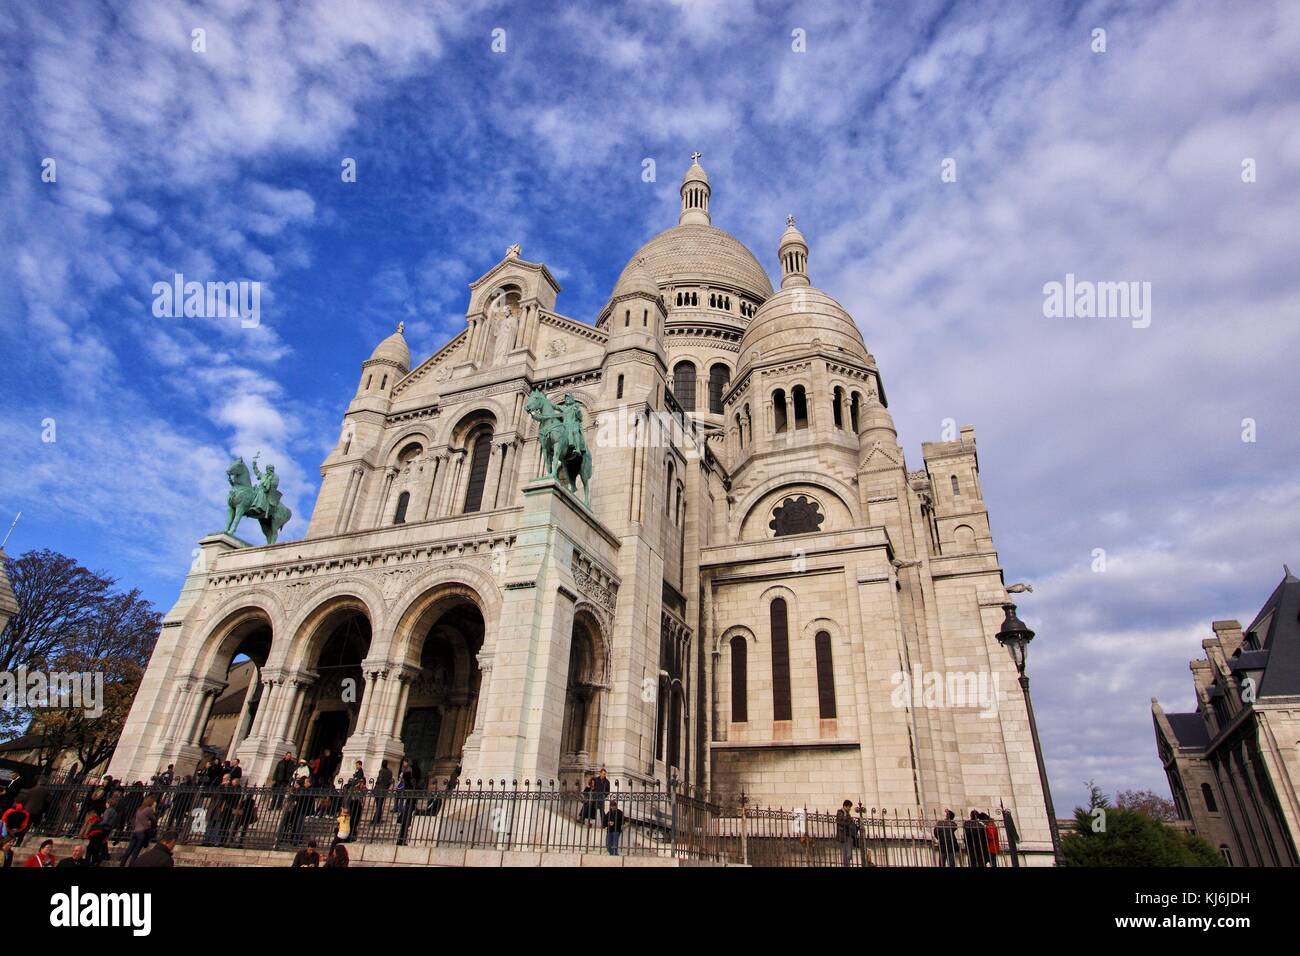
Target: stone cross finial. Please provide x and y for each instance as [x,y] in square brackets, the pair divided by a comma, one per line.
[401,327]
[514,251]
[695,157]
[789,220]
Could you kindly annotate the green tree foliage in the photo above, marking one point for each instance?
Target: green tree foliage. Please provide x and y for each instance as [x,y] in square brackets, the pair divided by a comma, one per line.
[1122,836]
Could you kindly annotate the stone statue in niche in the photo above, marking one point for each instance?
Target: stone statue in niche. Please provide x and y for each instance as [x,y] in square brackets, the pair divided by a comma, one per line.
[504,323]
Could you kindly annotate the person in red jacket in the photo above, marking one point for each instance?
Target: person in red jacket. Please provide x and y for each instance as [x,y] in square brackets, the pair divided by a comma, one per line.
[991,829]
[15,821]
[42,857]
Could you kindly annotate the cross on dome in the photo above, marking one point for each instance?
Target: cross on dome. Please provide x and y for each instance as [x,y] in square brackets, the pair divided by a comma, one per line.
[695,157]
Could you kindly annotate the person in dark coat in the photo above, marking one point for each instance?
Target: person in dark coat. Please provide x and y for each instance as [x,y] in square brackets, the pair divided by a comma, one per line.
[945,833]
[78,858]
[602,793]
[613,827]
[308,856]
[35,800]
[338,856]
[977,841]
[142,830]
[160,854]
[846,832]
[407,781]
[282,777]
[383,782]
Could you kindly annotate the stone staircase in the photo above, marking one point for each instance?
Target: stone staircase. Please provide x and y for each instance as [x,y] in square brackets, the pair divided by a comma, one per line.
[381,854]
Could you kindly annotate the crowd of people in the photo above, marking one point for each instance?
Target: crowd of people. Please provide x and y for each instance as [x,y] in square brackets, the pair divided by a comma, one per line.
[309,800]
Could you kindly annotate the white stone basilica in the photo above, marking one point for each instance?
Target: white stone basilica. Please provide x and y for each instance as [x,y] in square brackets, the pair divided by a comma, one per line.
[748,602]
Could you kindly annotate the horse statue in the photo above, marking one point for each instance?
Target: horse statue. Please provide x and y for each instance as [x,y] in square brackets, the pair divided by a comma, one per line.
[565,456]
[260,501]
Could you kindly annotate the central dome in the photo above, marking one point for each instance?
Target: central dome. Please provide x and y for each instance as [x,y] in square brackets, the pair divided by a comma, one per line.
[699,253]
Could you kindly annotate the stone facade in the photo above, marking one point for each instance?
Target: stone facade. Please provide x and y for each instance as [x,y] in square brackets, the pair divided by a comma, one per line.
[1233,764]
[757,585]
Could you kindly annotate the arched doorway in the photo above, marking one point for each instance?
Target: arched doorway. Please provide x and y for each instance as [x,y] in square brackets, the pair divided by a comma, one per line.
[444,697]
[334,701]
[583,697]
[237,664]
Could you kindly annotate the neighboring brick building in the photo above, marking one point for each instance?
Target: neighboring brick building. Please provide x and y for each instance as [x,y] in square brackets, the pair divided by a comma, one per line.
[1234,763]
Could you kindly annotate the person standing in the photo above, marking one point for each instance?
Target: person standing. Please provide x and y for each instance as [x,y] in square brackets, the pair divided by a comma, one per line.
[383,781]
[613,827]
[281,777]
[991,838]
[945,832]
[35,801]
[977,841]
[846,831]
[602,792]
[142,830]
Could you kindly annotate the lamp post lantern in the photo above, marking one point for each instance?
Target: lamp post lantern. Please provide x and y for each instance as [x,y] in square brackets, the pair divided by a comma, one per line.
[1015,636]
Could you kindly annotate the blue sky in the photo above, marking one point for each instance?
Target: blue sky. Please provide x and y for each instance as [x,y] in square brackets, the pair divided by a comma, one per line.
[1122,165]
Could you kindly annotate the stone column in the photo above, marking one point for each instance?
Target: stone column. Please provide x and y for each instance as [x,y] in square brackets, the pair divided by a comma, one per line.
[435,486]
[354,492]
[381,512]
[493,477]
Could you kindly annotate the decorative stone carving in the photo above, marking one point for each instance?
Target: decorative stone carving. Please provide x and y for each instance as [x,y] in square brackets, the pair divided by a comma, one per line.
[798,515]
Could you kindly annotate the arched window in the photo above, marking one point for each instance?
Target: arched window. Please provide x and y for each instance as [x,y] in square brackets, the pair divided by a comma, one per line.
[740,433]
[627,318]
[677,512]
[853,412]
[780,661]
[369,379]
[825,676]
[836,410]
[675,727]
[800,406]
[739,681]
[719,376]
[668,490]
[404,499]
[956,489]
[746,427]
[645,318]
[620,387]
[478,469]
[778,411]
[383,383]
[713,301]
[1208,795]
[684,385]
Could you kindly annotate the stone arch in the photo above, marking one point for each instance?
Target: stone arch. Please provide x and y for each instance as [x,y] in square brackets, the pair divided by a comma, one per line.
[438,641]
[422,433]
[963,537]
[220,642]
[486,411]
[321,601]
[842,492]
[585,689]
[311,629]
[426,600]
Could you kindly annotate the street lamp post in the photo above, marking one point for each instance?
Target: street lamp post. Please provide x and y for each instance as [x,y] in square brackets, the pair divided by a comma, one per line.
[1015,637]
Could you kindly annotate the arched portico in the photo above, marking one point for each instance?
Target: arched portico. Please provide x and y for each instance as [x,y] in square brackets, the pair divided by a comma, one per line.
[243,633]
[584,697]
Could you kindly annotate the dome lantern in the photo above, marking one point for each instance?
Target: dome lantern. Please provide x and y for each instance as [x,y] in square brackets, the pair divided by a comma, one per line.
[695,195]
[793,253]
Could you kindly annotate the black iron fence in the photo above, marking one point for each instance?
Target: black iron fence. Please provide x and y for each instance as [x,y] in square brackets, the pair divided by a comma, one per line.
[876,837]
[650,820]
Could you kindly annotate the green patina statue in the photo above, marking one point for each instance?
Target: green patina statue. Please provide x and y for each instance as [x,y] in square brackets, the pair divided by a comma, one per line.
[260,501]
[565,455]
